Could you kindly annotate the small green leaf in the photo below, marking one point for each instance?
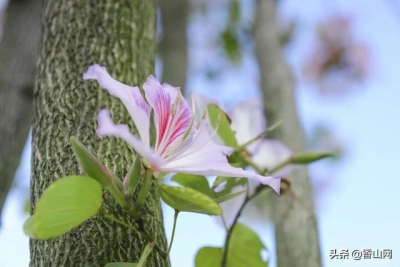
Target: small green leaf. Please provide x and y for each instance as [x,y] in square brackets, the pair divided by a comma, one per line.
[209,257]
[245,248]
[196,182]
[230,183]
[64,205]
[132,178]
[224,128]
[187,199]
[223,198]
[29,226]
[121,264]
[96,170]
[309,157]
[200,184]
[231,45]
[234,13]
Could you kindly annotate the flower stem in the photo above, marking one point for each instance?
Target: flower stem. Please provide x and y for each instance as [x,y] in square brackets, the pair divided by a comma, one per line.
[224,262]
[280,166]
[173,231]
[144,191]
[259,136]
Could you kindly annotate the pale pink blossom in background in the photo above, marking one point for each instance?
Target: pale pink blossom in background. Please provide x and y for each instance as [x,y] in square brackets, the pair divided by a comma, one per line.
[248,121]
[182,144]
[338,59]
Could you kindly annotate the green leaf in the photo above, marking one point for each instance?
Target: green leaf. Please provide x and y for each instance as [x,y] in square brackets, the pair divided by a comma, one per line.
[121,264]
[29,226]
[222,198]
[187,199]
[224,128]
[95,169]
[209,257]
[234,13]
[309,157]
[64,205]
[230,183]
[231,45]
[200,184]
[142,259]
[196,182]
[245,248]
[132,178]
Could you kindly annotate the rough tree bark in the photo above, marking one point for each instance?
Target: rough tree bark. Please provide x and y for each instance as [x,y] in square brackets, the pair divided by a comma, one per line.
[173,45]
[295,223]
[18,55]
[118,34]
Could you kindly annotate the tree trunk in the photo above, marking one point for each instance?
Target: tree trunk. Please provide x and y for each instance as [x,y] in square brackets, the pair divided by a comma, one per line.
[18,55]
[174,42]
[295,223]
[118,34]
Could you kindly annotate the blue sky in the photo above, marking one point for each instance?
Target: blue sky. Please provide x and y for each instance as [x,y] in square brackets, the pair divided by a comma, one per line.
[360,211]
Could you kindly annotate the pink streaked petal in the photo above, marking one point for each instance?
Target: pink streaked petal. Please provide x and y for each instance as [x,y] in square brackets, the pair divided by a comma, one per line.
[130,96]
[108,128]
[171,113]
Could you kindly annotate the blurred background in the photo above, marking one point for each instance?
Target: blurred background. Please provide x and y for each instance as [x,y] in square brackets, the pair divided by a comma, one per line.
[344,60]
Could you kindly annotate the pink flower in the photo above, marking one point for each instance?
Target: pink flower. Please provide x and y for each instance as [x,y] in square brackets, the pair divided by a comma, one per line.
[182,145]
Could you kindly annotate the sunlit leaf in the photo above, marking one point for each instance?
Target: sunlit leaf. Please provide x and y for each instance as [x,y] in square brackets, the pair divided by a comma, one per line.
[308,157]
[228,184]
[208,257]
[245,248]
[196,182]
[244,251]
[222,198]
[132,178]
[200,184]
[224,129]
[95,169]
[64,205]
[29,226]
[187,199]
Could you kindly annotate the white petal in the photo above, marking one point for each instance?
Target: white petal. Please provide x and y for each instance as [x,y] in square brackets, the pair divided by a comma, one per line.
[108,128]
[130,96]
[270,153]
[204,157]
[248,121]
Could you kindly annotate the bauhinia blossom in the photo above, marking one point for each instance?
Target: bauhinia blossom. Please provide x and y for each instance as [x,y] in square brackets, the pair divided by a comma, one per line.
[182,145]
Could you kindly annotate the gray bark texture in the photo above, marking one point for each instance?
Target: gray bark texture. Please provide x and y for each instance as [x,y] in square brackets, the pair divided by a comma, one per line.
[18,56]
[118,34]
[173,45]
[295,222]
